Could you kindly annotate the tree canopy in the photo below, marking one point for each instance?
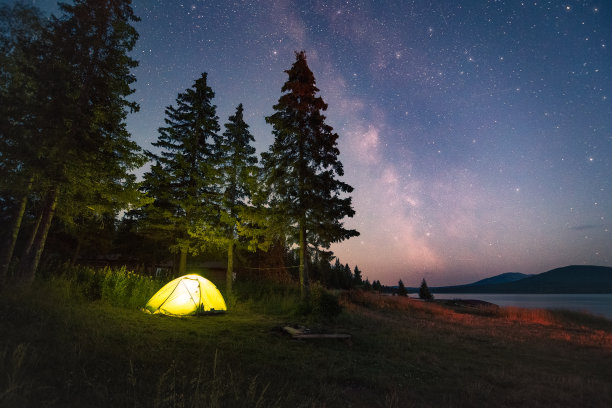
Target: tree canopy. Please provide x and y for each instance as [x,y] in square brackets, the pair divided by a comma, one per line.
[69,135]
[183,178]
[67,160]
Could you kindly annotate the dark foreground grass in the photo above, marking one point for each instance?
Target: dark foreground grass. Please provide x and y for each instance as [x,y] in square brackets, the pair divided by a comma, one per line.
[59,351]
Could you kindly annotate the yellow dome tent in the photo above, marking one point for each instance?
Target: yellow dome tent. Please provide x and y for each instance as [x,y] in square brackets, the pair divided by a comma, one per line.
[186,296]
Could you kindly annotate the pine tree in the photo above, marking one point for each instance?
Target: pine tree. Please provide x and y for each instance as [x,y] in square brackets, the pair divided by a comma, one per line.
[183,181]
[236,163]
[301,168]
[401,289]
[20,27]
[424,292]
[357,279]
[335,280]
[347,277]
[238,177]
[83,78]
[377,286]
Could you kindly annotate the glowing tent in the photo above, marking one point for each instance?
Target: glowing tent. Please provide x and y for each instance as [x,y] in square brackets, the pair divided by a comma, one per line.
[185,296]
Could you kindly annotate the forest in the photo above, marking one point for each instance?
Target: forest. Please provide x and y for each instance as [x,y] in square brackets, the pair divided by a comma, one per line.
[68,165]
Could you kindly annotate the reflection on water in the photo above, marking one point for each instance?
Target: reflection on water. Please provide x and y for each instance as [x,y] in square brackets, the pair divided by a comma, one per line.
[598,304]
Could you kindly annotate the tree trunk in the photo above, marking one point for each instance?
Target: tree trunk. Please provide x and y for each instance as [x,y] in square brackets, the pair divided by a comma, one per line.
[7,252]
[31,259]
[77,250]
[229,276]
[183,262]
[28,247]
[304,285]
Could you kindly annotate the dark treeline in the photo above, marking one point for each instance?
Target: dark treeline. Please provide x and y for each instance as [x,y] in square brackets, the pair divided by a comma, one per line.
[68,190]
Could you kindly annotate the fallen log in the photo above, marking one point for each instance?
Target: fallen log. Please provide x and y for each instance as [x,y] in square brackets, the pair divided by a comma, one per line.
[303,333]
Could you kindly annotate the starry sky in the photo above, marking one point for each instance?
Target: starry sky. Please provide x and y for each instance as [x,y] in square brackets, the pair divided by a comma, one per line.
[477,134]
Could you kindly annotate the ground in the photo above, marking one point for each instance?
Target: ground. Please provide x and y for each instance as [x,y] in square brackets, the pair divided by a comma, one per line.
[58,351]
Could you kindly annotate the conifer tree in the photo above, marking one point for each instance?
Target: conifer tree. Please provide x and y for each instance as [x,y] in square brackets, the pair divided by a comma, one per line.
[401,289]
[376,285]
[20,27]
[236,162]
[347,277]
[301,169]
[424,292]
[183,180]
[357,276]
[83,77]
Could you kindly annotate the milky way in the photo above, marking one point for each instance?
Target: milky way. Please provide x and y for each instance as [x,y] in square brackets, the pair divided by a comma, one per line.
[477,135]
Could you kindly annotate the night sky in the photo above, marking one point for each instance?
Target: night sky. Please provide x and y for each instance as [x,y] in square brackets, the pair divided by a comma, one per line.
[477,134]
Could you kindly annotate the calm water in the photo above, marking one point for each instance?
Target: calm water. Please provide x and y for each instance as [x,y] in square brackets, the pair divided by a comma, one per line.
[600,305]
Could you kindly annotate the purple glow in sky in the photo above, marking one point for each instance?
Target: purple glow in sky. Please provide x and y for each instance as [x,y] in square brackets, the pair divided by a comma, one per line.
[477,134]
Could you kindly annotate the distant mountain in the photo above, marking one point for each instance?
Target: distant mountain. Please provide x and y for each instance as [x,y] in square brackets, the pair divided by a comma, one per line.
[503,278]
[494,280]
[569,279]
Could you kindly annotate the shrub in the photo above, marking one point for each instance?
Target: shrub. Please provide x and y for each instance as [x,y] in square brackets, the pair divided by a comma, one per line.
[323,303]
[266,296]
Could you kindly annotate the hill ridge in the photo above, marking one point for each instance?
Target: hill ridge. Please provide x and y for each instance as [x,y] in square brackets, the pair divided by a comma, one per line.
[571,279]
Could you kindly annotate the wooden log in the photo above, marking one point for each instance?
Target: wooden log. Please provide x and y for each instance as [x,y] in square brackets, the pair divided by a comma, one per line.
[339,336]
[303,333]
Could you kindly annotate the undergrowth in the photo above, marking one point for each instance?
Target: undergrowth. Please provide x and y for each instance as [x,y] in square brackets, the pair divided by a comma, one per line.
[124,288]
[115,286]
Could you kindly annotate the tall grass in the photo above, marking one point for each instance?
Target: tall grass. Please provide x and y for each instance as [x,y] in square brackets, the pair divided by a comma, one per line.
[124,288]
[283,299]
[266,297]
[15,365]
[212,387]
[115,286]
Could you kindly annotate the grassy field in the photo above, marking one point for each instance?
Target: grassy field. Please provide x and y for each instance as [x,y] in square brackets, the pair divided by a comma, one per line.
[58,349]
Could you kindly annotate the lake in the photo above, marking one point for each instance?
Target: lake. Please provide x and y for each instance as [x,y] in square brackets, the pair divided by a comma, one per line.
[599,304]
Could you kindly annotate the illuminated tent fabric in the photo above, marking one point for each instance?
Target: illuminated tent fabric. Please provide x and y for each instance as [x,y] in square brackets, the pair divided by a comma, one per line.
[185,296]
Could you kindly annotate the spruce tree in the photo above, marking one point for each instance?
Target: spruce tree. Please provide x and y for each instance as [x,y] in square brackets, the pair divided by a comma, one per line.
[301,169]
[347,277]
[357,279]
[21,26]
[401,289]
[424,292]
[376,285]
[235,161]
[183,180]
[83,149]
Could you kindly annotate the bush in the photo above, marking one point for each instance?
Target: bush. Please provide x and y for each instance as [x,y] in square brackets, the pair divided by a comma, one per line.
[284,299]
[266,296]
[323,303]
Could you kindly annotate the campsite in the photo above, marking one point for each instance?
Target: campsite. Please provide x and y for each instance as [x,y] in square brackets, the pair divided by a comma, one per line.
[226,204]
[60,348]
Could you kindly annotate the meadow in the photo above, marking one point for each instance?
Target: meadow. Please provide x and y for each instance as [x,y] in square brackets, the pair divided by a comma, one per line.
[80,339]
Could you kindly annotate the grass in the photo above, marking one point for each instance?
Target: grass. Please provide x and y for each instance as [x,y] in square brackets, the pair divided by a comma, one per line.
[58,349]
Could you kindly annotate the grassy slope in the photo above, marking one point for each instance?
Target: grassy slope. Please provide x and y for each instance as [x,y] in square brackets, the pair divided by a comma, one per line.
[61,352]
